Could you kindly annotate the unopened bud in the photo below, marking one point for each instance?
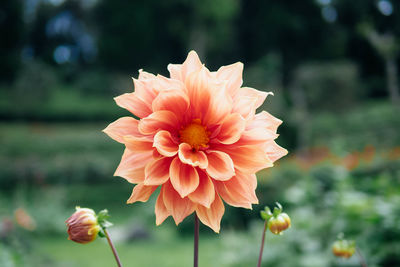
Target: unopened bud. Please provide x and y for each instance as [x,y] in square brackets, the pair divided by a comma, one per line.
[343,248]
[278,221]
[83,226]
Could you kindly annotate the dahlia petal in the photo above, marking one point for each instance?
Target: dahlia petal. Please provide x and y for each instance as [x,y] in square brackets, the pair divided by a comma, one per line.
[233,74]
[256,136]
[175,71]
[260,96]
[245,106]
[220,165]
[165,144]
[141,193]
[144,75]
[178,207]
[159,120]
[231,129]
[157,171]
[220,105]
[121,127]
[160,209]
[132,165]
[191,64]
[193,158]
[134,104]
[212,216]
[239,191]
[175,101]
[144,90]
[138,144]
[248,159]
[200,96]
[209,100]
[183,177]
[264,120]
[274,151]
[205,193]
[163,83]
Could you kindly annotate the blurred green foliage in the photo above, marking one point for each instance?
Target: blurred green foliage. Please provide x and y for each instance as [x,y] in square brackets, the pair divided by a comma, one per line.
[327,63]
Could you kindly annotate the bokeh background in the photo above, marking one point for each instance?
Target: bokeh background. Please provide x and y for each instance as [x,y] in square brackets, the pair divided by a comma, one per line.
[332,64]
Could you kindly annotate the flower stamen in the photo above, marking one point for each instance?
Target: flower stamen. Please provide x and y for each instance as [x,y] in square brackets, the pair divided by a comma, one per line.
[195,134]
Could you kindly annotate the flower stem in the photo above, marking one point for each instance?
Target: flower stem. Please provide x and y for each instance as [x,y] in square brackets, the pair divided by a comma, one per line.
[262,244]
[196,241]
[363,263]
[114,251]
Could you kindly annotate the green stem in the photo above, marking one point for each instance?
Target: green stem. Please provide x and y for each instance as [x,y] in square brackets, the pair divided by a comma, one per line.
[363,263]
[114,251]
[262,244]
[196,241]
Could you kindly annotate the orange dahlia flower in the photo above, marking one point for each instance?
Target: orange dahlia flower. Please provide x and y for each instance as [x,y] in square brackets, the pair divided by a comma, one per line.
[198,137]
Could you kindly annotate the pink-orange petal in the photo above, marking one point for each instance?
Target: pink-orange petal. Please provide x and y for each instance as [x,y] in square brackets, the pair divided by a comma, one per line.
[256,136]
[134,104]
[208,99]
[264,120]
[175,101]
[144,75]
[260,96]
[191,64]
[233,74]
[220,165]
[184,178]
[238,191]
[192,157]
[144,90]
[157,171]
[212,216]
[274,151]
[175,71]
[138,144]
[178,207]
[121,127]
[248,159]
[160,209]
[205,193]
[141,193]
[165,144]
[245,106]
[132,165]
[159,120]
[231,129]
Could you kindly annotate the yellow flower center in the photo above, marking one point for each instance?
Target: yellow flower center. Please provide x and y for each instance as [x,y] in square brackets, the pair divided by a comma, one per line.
[195,134]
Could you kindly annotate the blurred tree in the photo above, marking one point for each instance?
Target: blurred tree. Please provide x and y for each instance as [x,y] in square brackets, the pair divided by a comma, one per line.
[359,20]
[388,48]
[12,33]
[291,27]
[141,34]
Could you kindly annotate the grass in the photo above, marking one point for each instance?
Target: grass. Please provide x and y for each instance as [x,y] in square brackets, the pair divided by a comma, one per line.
[166,250]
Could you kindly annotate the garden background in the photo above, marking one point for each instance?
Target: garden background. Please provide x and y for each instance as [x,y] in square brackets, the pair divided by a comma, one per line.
[332,64]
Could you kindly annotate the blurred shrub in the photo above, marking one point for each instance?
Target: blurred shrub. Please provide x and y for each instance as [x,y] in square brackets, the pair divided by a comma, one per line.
[94,83]
[372,124]
[33,85]
[323,201]
[331,86]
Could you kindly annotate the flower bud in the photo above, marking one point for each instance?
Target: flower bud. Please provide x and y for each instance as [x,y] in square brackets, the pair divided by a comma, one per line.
[279,223]
[277,220]
[343,248]
[83,226]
